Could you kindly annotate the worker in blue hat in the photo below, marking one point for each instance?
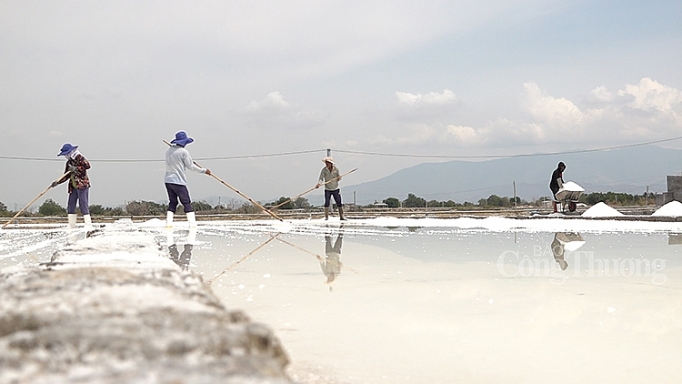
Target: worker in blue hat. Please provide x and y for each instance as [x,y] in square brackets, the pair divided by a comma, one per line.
[76,172]
[178,160]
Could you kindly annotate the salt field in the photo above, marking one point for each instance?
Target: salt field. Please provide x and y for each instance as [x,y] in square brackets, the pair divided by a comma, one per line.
[393,300]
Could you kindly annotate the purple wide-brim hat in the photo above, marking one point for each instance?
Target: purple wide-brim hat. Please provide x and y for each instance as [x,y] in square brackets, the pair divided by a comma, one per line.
[181,139]
[66,149]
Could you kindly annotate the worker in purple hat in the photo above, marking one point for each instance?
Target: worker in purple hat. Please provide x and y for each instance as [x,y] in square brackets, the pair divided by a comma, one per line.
[178,160]
[79,184]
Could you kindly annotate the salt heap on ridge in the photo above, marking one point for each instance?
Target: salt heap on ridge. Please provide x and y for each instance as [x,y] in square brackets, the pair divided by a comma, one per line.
[672,209]
[601,210]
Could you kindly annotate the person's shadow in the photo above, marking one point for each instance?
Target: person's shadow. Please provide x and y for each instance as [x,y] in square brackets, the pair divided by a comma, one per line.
[562,242]
[331,264]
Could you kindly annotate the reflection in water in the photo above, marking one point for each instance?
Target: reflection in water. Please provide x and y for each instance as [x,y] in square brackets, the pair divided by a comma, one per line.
[331,265]
[674,238]
[565,241]
[181,258]
[272,237]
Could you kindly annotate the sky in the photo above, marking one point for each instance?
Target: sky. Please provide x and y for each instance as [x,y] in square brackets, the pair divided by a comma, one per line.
[266,87]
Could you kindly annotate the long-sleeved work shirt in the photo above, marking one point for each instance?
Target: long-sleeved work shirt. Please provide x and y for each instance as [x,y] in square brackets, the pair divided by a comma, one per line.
[178,161]
[326,175]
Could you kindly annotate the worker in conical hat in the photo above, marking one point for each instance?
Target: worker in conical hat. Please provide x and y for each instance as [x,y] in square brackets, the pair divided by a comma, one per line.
[329,176]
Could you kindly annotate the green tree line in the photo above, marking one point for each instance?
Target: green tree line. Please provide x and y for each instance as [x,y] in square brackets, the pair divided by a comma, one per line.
[610,198]
[149,208]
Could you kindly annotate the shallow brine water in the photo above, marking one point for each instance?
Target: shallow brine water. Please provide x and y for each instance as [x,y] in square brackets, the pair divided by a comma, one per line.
[440,305]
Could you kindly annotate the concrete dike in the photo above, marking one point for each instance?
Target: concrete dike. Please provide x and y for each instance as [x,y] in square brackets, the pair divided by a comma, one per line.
[112,307]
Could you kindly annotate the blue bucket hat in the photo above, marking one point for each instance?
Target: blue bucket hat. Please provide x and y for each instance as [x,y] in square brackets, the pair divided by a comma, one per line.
[66,149]
[181,139]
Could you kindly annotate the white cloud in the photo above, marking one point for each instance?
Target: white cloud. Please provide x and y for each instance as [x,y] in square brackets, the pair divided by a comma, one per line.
[650,95]
[271,37]
[407,98]
[274,111]
[447,97]
[463,134]
[558,121]
[272,102]
[431,108]
[544,108]
[600,95]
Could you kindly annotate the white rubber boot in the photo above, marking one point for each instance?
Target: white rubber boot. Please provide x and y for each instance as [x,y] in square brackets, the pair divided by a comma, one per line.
[72,220]
[192,236]
[169,238]
[169,219]
[88,221]
[191,219]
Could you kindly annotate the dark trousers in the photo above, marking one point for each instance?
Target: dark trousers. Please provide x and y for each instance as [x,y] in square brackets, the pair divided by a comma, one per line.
[336,248]
[178,192]
[80,196]
[328,196]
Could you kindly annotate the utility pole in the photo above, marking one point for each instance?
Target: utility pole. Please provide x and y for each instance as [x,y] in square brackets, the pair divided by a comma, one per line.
[514,194]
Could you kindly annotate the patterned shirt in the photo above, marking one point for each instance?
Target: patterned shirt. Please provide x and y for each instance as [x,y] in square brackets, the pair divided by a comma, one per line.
[78,177]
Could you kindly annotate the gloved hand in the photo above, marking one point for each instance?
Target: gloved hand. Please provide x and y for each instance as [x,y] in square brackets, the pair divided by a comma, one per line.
[72,168]
[54,184]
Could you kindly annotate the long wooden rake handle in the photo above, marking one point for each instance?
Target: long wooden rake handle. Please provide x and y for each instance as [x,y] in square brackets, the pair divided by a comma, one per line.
[312,189]
[33,201]
[237,191]
[318,257]
[242,259]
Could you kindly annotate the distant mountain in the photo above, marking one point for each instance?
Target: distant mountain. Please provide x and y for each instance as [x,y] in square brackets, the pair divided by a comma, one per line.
[628,170]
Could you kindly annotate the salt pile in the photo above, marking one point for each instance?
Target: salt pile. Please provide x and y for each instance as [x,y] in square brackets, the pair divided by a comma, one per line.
[573,187]
[672,209]
[601,210]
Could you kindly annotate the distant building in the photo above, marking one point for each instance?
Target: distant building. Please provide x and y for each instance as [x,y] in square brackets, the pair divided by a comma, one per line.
[674,191]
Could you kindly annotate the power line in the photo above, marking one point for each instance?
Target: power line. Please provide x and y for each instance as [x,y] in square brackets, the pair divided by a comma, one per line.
[365,153]
[98,160]
[509,156]
[163,160]
[266,155]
